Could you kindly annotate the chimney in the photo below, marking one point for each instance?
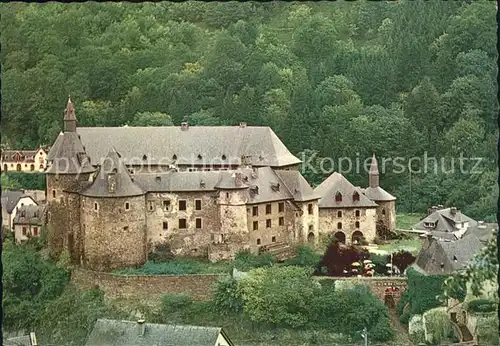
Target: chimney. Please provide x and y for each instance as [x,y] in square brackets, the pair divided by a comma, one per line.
[184,126]
[238,178]
[246,160]
[33,341]
[141,327]
[453,210]
[243,124]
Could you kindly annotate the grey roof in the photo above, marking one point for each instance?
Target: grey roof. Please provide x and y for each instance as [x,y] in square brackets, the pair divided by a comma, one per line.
[483,231]
[67,156]
[297,185]
[266,180]
[55,147]
[178,181]
[158,145]
[124,185]
[112,332]
[444,220]
[10,199]
[336,182]
[29,215]
[228,180]
[378,194]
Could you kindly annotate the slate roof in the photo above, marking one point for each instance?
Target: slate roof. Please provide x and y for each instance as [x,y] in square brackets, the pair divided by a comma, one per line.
[25,155]
[228,181]
[482,231]
[10,199]
[67,156]
[297,185]
[214,144]
[29,215]
[336,182]
[124,187]
[378,194]
[265,178]
[112,332]
[444,221]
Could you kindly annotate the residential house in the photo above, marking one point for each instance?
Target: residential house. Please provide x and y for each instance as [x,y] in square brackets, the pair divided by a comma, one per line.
[31,161]
[445,223]
[27,222]
[11,202]
[114,332]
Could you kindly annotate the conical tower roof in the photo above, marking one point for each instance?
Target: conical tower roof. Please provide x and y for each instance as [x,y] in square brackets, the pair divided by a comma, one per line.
[113,179]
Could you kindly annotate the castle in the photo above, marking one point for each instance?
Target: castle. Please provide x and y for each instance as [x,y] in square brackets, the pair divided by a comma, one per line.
[114,193]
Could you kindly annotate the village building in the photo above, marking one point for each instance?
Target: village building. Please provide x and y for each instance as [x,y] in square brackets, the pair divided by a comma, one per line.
[33,161]
[113,332]
[27,222]
[11,202]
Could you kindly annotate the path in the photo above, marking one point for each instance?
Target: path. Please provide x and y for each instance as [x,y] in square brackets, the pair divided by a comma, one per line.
[401,329]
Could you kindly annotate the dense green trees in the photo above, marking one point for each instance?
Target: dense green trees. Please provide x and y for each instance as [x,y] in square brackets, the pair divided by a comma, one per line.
[402,79]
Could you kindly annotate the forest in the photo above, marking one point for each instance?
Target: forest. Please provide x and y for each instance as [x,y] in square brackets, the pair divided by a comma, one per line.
[407,79]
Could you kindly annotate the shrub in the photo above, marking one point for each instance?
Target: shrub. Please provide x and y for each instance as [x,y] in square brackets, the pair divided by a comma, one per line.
[437,326]
[402,302]
[402,259]
[161,253]
[379,261]
[175,302]
[424,291]
[244,260]
[27,181]
[416,329]
[482,305]
[306,257]
[487,329]
[226,297]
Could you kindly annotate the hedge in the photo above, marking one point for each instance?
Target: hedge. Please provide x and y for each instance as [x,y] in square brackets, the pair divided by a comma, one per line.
[28,181]
[482,305]
[423,291]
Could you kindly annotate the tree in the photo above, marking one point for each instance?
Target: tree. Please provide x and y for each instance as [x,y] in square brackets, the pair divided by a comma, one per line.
[338,258]
[152,119]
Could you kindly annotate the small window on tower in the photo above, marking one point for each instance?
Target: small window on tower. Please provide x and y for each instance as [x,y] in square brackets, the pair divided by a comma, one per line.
[339,225]
[258,241]
[53,193]
[165,225]
[339,213]
[96,206]
[310,209]
[383,211]
[127,205]
[357,224]
[358,213]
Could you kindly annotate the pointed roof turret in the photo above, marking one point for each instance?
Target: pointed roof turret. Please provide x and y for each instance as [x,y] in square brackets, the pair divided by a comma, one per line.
[69,117]
[373,174]
[113,179]
[374,192]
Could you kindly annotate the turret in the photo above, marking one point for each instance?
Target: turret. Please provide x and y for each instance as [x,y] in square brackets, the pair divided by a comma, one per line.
[69,117]
[373,174]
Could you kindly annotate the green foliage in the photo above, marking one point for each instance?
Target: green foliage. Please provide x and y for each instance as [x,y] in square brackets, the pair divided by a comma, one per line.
[306,257]
[437,325]
[482,305]
[416,329]
[24,181]
[245,260]
[176,302]
[177,266]
[152,119]
[424,291]
[226,297]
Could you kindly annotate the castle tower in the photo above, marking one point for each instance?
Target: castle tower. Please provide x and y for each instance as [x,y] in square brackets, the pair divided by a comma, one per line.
[69,170]
[113,212]
[386,209]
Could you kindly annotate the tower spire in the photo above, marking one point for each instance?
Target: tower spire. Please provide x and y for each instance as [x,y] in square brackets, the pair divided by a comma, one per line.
[373,174]
[69,117]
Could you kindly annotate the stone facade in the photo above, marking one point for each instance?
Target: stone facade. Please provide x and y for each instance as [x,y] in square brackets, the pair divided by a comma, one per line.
[26,161]
[386,213]
[348,223]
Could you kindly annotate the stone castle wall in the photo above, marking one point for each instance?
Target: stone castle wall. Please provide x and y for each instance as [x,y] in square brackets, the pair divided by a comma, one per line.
[114,236]
[386,212]
[328,222]
[145,287]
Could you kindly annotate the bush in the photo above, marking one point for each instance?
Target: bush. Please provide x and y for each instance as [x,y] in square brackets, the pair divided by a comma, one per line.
[402,302]
[482,305]
[226,298]
[245,261]
[306,257]
[416,329]
[487,329]
[379,261]
[176,302]
[424,291]
[437,326]
[27,181]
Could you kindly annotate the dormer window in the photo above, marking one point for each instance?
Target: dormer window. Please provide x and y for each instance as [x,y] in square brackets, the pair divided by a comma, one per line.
[199,157]
[223,156]
[355,196]
[338,197]
[144,157]
[174,157]
[455,259]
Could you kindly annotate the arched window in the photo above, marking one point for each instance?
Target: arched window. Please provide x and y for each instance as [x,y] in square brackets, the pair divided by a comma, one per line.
[357,224]
[339,213]
[258,241]
[338,197]
[339,225]
[32,167]
[5,167]
[355,196]
[383,211]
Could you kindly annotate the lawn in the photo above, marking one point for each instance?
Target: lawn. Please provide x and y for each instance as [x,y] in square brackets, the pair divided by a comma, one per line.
[411,245]
[406,221]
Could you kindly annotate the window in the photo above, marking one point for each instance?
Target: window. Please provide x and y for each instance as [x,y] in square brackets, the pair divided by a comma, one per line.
[281,221]
[182,224]
[32,167]
[338,197]
[255,211]
[198,222]
[358,213]
[166,205]
[258,241]
[227,195]
[24,231]
[197,204]
[383,211]
[255,225]
[355,196]
[96,206]
[311,228]
[35,231]
[339,225]
[127,205]
[268,223]
[310,208]
[165,225]
[281,207]
[53,193]
[273,239]
[125,228]
[339,213]
[151,206]
[182,205]
[268,208]
[357,224]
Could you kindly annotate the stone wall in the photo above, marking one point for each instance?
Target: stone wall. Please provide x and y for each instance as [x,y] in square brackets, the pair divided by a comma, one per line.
[145,287]
[308,223]
[386,212]
[329,222]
